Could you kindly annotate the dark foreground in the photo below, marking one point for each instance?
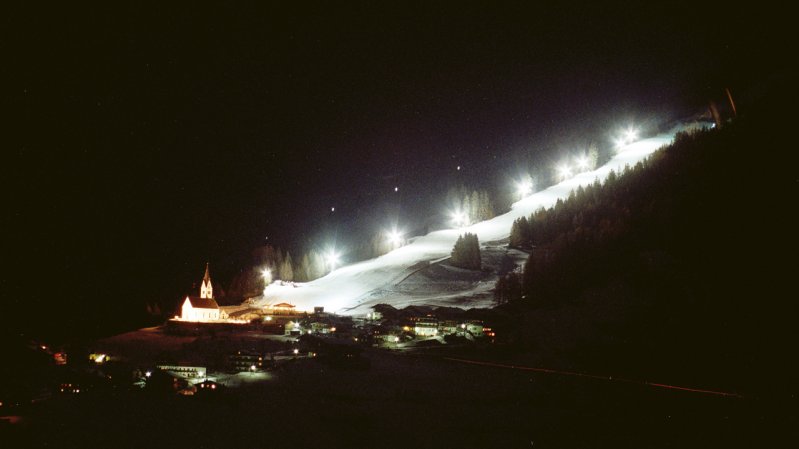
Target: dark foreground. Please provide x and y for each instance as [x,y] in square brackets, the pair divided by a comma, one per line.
[407,401]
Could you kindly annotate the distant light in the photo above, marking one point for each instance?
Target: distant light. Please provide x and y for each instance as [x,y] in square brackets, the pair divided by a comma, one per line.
[396,189]
[396,339]
[460,219]
[332,260]
[148,374]
[631,135]
[564,171]
[269,318]
[332,209]
[524,188]
[332,329]
[296,351]
[394,238]
[582,163]
[252,367]
[628,136]
[459,167]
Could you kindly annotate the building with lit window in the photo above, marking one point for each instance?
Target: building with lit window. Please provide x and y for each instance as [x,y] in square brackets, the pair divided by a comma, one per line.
[204,307]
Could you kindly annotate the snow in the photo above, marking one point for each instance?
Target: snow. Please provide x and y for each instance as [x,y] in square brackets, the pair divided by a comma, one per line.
[353,289]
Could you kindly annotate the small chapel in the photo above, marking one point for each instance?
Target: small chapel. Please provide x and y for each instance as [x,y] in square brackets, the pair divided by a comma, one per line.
[204,307]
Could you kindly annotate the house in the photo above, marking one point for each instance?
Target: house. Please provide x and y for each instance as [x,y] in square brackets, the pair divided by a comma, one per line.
[189,373]
[425,326]
[474,327]
[243,361]
[204,307]
[283,308]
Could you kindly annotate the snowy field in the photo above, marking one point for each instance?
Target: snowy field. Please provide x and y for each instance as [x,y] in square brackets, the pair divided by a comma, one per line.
[354,289]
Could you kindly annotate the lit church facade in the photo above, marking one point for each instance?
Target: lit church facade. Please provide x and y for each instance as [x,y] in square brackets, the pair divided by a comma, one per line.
[204,307]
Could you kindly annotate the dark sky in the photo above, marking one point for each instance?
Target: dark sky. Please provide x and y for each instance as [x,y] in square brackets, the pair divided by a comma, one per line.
[147,140]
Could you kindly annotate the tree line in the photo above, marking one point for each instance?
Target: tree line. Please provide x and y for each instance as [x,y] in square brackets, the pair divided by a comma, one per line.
[649,207]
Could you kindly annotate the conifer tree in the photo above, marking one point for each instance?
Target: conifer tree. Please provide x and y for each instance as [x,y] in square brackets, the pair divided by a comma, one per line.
[286,269]
[466,252]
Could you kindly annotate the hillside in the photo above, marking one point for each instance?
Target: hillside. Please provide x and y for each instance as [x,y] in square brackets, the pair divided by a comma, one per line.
[671,271]
[354,289]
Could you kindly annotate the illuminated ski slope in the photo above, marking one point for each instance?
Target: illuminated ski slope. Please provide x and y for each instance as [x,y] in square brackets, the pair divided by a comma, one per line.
[353,289]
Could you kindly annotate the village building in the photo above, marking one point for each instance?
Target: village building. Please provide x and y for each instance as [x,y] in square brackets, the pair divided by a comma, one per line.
[425,326]
[204,307]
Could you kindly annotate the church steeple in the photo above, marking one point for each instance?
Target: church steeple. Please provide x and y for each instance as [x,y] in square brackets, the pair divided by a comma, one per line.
[206,290]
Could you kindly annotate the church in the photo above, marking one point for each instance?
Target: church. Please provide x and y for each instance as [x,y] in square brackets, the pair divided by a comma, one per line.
[204,307]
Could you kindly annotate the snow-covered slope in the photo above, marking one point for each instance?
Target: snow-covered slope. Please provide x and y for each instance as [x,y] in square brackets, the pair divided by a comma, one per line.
[353,289]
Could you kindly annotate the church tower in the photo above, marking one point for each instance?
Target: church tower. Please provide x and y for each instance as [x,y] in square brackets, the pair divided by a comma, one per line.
[206,291]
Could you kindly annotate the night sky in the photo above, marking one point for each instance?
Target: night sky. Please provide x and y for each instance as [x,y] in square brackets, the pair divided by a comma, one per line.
[148,140]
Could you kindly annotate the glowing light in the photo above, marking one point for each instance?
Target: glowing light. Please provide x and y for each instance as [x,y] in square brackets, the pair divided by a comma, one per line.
[396,339]
[296,351]
[459,167]
[252,368]
[332,329]
[394,238]
[460,219]
[582,163]
[628,136]
[564,172]
[524,188]
[396,189]
[332,209]
[332,260]
[631,135]
[269,318]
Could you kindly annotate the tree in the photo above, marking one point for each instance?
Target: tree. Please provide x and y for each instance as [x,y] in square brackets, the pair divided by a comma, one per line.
[466,252]
[302,274]
[520,233]
[286,269]
[508,289]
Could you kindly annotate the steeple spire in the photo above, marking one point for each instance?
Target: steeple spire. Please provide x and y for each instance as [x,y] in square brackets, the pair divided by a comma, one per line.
[206,290]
